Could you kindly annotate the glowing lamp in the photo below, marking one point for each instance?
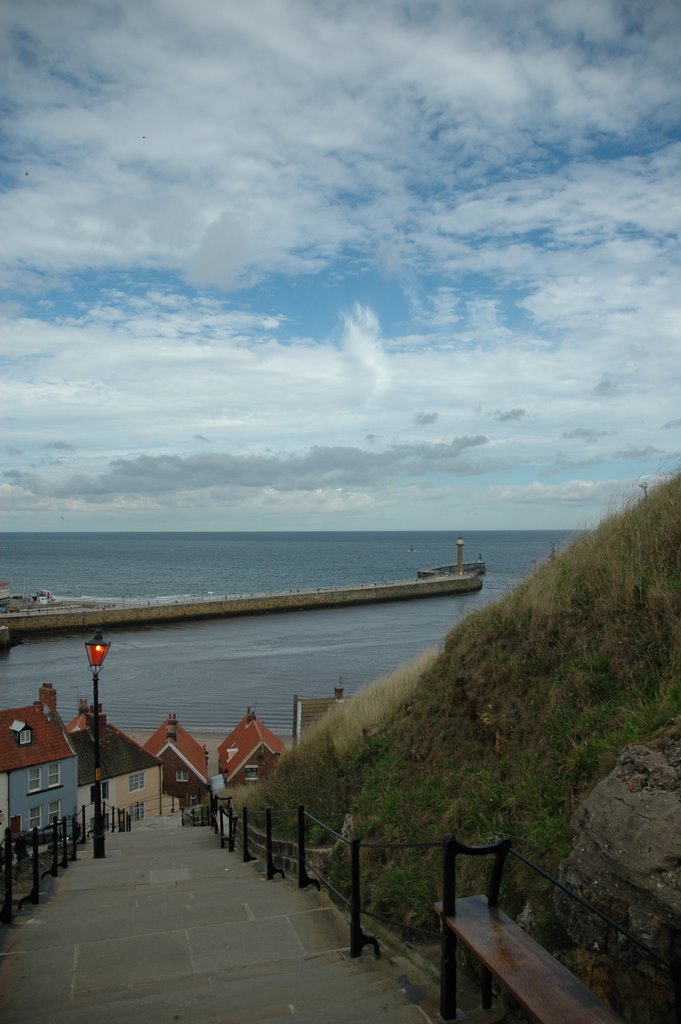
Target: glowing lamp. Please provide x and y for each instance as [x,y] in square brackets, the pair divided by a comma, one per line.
[97,650]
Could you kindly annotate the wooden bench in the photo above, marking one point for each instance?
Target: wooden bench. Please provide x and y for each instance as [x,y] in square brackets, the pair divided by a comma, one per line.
[547,991]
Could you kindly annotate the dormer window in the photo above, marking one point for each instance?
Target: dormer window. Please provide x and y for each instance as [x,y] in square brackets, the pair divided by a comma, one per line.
[23,734]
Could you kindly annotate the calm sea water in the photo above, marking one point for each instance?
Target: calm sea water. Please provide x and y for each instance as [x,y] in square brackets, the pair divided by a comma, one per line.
[209,672]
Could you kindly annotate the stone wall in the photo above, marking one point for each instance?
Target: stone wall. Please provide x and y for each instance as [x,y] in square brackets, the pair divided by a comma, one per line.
[284,852]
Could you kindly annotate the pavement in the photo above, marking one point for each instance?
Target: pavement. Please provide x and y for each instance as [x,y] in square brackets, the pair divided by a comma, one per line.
[168,927]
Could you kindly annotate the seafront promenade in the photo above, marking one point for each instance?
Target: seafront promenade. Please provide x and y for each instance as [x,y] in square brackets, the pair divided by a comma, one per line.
[64,618]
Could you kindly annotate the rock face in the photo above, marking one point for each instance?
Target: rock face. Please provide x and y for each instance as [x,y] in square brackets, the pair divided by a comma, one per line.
[626,860]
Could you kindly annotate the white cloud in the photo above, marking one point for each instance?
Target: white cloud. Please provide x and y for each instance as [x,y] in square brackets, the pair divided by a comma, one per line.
[270,230]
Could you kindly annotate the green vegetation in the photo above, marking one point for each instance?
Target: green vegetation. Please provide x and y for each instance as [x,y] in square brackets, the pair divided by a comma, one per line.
[505,731]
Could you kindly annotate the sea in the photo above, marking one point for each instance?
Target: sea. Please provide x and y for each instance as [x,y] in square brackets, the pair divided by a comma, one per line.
[209,672]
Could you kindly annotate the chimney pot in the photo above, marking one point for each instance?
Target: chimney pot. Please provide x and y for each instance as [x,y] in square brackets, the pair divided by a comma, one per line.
[48,696]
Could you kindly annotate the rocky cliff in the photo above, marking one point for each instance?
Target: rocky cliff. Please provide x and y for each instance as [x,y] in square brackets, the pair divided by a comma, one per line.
[626,859]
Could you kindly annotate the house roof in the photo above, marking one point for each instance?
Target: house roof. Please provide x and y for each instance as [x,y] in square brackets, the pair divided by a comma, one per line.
[50,741]
[307,711]
[247,737]
[170,735]
[119,754]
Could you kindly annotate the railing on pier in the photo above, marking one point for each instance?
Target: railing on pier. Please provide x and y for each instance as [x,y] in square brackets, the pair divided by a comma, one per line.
[478,568]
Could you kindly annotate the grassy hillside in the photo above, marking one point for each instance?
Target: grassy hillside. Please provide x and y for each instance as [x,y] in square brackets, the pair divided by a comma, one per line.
[526,708]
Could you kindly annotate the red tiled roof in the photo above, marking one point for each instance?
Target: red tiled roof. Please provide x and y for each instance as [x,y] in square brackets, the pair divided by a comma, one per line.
[189,749]
[50,742]
[246,738]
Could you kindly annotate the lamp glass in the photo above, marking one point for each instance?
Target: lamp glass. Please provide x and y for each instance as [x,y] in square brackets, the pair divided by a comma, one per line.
[97,650]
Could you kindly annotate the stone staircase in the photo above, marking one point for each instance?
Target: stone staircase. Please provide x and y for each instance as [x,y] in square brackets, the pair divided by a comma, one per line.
[169,929]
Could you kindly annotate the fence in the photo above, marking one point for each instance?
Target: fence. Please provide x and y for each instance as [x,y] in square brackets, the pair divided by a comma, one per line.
[231,826]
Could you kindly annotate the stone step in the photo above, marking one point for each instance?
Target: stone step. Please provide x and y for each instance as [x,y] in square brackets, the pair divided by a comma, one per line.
[326,988]
[170,929]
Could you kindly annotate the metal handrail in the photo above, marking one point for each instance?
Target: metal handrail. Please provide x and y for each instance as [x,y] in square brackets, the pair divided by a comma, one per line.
[451,848]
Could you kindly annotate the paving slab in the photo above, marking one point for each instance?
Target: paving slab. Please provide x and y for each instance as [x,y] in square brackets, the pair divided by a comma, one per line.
[168,927]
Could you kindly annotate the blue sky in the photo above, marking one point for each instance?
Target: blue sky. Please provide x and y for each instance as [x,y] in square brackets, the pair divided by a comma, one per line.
[336,265]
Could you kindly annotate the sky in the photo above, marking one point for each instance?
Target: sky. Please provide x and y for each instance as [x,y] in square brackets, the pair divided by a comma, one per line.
[337,265]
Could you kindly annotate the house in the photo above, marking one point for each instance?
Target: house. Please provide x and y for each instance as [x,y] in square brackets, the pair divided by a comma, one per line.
[131,776]
[38,765]
[251,751]
[308,711]
[185,762]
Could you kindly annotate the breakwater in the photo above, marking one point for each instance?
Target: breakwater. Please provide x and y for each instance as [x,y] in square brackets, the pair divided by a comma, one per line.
[82,617]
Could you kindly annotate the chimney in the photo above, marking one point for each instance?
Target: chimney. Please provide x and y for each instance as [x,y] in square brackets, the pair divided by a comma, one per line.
[48,696]
[171,732]
[90,720]
[83,706]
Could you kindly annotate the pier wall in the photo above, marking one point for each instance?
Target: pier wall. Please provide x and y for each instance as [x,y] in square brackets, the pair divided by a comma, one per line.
[88,617]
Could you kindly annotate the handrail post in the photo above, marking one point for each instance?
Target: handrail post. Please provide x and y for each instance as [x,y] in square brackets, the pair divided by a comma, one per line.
[231,825]
[64,844]
[271,870]
[448,980]
[83,833]
[303,878]
[54,869]
[6,909]
[247,855]
[221,816]
[357,937]
[74,837]
[35,891]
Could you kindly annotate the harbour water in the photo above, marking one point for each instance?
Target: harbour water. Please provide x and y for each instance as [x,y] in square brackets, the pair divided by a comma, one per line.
[209,672]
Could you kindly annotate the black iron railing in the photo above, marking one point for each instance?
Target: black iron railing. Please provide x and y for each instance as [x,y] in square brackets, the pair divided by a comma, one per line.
[232,826]
[200,815]
[45,851]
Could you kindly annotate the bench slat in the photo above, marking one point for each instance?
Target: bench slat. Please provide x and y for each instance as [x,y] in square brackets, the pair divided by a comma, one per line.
[546,989]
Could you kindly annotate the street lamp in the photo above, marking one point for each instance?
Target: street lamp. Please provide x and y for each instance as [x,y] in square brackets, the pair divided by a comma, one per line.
[97,651]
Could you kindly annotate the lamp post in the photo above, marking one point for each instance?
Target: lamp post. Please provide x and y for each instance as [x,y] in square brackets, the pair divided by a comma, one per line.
[97,651]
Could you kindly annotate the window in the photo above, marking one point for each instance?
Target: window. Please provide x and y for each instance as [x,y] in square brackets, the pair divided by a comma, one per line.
[34,817]
[54,810]
[54,774]
[103,790]
[181,776]
[25,737]
[251,771]
[135,781]
[34,779]
[136,811]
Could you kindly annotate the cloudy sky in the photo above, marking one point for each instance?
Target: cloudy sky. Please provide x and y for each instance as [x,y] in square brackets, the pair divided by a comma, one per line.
[331,264]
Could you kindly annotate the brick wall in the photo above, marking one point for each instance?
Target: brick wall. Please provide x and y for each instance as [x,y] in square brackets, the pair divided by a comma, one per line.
[182,791]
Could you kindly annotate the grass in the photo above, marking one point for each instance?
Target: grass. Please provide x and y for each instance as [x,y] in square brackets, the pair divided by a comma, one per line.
[506,729]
